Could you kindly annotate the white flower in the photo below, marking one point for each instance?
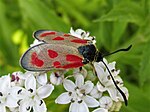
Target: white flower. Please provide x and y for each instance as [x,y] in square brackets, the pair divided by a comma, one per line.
[82,34]
[111,67]
[96,93]
[31,96]
[106,102]
[17,79]
[100,110]
[77,95]
[125,90]
[41,78]
[56,78]
[105,82]
[6,100]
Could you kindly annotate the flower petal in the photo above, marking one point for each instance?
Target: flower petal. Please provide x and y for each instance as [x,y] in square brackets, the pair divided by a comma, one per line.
[79,80]
[88,86]
[36,42]
[90,101]
[113,93]
[18,92]
[30,84]
[28,74]
[125,90]
[76,33]
[100,71]
[100,110]
[2,108]
[106,102]
[26,105]
[45,91]
[42,79]
[112,68]
[83,107]
[56,78]
[5,84]
[100,87]
[111,65]
[39,105]
[119,81]
[101,64]
[11,101]
[69,85]
[95,93]
[64,98]
[78,107]
[74,107]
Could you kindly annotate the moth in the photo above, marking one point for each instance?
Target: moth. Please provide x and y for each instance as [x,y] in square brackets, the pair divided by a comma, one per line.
[63,51]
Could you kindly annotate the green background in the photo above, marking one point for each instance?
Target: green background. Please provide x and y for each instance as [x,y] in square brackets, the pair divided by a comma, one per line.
[115,23]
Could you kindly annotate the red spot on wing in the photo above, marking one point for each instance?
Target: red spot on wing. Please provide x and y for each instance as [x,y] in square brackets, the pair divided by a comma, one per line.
[52,54]
[35,60]
[79,41]
[76,61]
[58,38]
[57,64]
[47,34]
[73,65]
[73,58]
[66,35]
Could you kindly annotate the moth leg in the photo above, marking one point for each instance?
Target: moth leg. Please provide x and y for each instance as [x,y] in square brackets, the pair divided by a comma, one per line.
[80,69]
[94,71]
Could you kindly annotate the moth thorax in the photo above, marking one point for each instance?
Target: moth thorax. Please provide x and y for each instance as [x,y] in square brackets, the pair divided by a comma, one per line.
[88,52]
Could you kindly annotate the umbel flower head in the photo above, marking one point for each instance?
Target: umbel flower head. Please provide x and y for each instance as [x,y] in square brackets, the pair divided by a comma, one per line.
[27,92]
[78,95]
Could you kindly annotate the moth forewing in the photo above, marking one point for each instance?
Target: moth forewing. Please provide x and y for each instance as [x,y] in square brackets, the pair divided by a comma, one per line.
[45,57]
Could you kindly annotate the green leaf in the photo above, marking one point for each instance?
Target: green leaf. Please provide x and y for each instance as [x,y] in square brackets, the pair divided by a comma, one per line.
[118,30]
[74,12]
[41,15]
[8,49]
[138,100]
[125,11]
[104,34]
[144,72]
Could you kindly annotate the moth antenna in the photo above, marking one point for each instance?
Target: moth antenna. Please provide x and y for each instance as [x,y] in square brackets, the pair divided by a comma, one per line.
[126,49]
[121,92]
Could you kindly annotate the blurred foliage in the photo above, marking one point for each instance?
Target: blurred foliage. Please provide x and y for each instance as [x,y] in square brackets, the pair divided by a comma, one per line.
[115,23]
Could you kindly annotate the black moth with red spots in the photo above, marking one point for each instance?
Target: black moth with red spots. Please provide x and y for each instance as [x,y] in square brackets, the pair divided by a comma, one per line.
[58,51]
[62,51]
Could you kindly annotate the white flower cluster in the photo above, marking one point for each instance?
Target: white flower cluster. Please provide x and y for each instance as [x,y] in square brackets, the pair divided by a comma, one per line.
[24,92]
[102,95]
